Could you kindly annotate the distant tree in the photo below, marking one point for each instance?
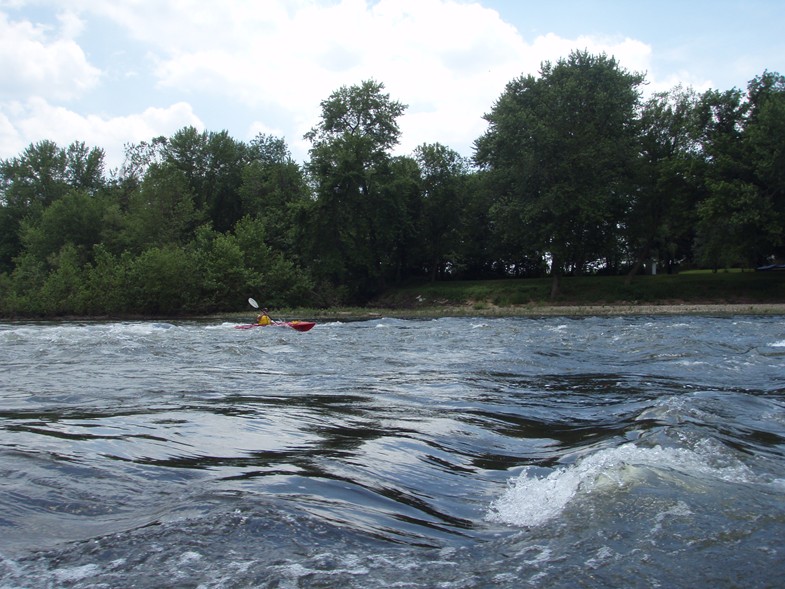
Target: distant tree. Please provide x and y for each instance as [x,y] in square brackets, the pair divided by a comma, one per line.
[75,219]
[223,276]
[270,274]
[765,142]
[63,291]
[560,149]
[212,164]
[274,189]
[10,236]
[402,205]
[481,250]
[161,211]
[138,158]
[106,282]
[350,164]
[443,173]
[660,219]
[26,281]
[163,281]
[741,218]
[85,167]
[41,175]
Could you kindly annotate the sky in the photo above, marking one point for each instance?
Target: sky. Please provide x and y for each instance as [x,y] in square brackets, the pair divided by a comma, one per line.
[121,72]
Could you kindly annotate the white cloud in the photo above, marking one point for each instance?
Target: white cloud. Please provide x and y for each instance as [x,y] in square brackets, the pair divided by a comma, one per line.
[447,60]
[24,123]
[441,58]
[37,60]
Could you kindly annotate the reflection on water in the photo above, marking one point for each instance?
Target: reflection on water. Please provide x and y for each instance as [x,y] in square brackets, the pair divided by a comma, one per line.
[453,453]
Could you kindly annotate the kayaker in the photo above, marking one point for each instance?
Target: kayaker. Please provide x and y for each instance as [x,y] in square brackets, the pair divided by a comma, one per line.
[264,318]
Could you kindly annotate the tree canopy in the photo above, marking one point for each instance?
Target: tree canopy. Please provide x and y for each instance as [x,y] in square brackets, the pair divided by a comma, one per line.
[576,173]
[561,148]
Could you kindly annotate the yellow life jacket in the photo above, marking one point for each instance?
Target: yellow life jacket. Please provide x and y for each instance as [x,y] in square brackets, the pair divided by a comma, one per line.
[264,320]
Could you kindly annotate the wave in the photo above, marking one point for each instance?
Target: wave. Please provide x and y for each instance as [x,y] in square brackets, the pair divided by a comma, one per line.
[531,500]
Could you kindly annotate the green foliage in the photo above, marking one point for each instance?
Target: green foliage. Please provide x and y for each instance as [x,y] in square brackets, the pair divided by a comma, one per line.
[27,279]
[164,281]
[353,218]
[161,212]
[443,179]
[212,164]
[275,278]
[221,270]
[106,283]
[575,175]
[559,148]
[63,291]
[10,236]
[75,219]
[43,174]
[660,219]
[742,217]
[274,190]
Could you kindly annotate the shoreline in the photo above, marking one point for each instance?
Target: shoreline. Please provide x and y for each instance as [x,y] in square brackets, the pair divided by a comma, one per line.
[531,310]
[625,309]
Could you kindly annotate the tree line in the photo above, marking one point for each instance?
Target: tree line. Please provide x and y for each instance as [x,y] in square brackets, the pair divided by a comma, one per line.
[576,173]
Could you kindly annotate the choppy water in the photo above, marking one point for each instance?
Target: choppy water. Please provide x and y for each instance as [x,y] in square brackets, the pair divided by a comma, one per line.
[454,453]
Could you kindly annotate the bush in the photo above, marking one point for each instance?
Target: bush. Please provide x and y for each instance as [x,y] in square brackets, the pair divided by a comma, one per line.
[164,281]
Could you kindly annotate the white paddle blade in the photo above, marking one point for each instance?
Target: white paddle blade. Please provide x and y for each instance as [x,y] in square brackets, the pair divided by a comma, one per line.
[253,303]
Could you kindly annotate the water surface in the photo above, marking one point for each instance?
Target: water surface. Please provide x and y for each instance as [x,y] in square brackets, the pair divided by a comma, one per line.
[629,451]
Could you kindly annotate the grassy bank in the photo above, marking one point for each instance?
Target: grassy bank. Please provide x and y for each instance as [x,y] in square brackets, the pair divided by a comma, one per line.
[693,292]
[694,287]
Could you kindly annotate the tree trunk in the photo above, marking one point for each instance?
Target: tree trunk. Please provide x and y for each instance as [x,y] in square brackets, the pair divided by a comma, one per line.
[556,272]
[637,265]
[434,269]
[555,285]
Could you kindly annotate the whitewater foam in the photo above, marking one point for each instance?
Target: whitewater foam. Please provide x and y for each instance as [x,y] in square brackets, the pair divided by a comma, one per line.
[531,501]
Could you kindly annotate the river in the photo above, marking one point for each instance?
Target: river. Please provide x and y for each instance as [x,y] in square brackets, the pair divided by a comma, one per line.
[450,453]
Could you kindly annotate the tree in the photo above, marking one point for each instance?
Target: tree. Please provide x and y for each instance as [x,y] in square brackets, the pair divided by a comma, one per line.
[741,218]
[401,199]
[271,274]
[75,219]
[106,282]
[443,172]
[560,149]
[137,161]
[162,211]
[222,273]
[63,290]
[350,164]
[41,175]
[660,218]
[481,250]
[765,142]
[163,281]
[273,189]
[212,164]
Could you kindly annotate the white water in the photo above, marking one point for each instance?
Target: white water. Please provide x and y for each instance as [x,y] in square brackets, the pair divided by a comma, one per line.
[601,452]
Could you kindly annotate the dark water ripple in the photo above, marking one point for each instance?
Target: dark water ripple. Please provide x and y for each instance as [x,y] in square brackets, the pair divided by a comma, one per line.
[631,452]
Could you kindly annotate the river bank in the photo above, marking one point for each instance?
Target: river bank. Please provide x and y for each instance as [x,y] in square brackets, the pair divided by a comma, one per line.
[466,310]
[539,310]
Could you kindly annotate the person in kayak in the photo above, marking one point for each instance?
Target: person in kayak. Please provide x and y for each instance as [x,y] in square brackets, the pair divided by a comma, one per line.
[263,318]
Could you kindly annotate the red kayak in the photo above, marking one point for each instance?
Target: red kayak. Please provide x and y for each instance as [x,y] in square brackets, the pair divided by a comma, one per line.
[296,325]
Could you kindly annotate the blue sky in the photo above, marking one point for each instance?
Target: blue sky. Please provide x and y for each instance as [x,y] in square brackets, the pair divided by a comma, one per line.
[112,73]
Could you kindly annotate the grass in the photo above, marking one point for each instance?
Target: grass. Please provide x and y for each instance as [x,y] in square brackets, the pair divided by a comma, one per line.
[687,288]
[579,295]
